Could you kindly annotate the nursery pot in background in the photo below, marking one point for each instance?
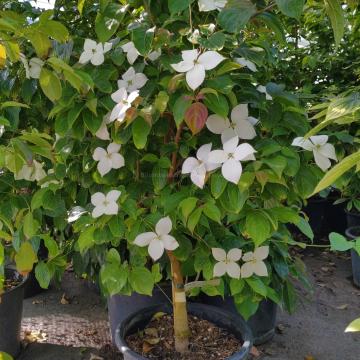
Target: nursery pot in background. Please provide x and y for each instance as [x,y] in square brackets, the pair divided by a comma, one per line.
[316,211]
[352,233]
[352,218]
[262,323]
[138,320]
[120,306]
[11,313]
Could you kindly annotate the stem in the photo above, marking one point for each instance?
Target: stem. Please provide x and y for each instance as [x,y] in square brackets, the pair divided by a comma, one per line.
[174,154]
[181,325]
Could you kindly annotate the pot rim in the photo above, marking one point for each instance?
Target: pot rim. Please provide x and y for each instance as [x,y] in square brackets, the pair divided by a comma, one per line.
[349,234]
[353,213]
[22,283]
[245,329]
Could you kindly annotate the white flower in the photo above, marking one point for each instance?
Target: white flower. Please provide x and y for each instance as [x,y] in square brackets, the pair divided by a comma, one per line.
[254,263]
[124,101]
[197,168]
[159,240]
[105,204]
[227,262]
[247,63]
[35,66]
[195,65]
[241,125]
[94,52]
[31,172]
[132,81]
[2,130]
[108,159]
[230,158]
[154,55]
[209,5]
[103,132]
[263,90]
[131,52]
[321,149]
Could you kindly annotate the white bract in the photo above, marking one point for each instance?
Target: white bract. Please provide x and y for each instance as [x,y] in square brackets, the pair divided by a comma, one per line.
[35,66]
[227,262]
[247,63]
[131,52]
[198,167]
[103,132]
[132,81]
[262,89]
[195,64]
[124,101]
[31,172]
[105,204]
[241,125]
[94,52]
[321,149]
[108,159]
[209,5]
[159,240]
[154,55]
[2,130]
[230,158]
[254,263]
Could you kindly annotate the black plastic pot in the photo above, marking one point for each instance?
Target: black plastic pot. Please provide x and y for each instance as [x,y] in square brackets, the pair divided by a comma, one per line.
[352,218]
[262,323]
[10,315]
[352,233]
[224,319]
[120,306]
[316,210]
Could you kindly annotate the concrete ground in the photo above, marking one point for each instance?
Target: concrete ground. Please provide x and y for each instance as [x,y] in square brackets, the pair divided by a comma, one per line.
[71,323]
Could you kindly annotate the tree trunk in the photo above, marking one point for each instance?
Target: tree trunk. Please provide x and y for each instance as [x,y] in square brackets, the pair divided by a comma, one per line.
[181,325]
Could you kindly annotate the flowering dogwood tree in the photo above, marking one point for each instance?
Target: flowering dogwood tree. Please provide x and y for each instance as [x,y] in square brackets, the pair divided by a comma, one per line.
[149,93]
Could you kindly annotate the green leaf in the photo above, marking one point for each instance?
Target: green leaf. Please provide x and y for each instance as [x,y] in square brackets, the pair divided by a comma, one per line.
[113,277]
[215,42]
[194,219]
[31,225]
[217,104]
[187,206]
[338,170]
[161,101]
[43,274]
[50,84]
[5,356]
[339,242]
[159,177]
[257,285]
[25,258]
[232,200]
[305,228]
[212,212]
[277,163]
[273,22]
[40,42]
[143,38]
[354,326]
[140,131]
[108,20]
[336,15]
[180,107]
[236,15]
[86,239]
[218,185]
[258,227]
[176,6]
[247,307]
[142,281]
[236,286]
[292,8]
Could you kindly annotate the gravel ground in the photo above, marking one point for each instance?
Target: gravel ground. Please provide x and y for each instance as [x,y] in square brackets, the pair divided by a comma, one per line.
[71,323]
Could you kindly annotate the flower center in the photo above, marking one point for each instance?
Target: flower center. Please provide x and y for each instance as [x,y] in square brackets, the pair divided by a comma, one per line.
[106,202]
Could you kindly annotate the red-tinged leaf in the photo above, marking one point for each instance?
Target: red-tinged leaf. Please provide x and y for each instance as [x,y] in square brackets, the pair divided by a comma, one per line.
[195,117]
